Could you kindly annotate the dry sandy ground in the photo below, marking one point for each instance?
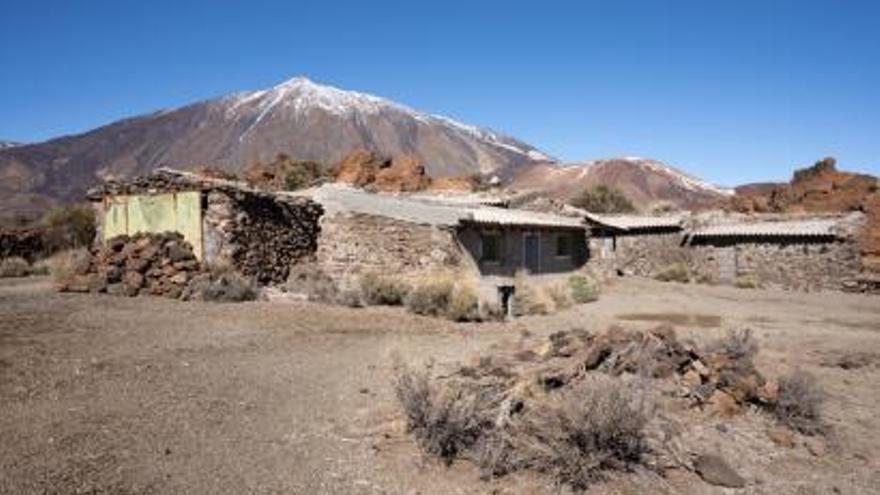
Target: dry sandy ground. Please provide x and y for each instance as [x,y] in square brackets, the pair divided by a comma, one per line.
[113,395]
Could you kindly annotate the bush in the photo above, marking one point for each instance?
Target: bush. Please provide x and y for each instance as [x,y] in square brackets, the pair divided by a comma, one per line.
[576,436]
[379,290]
[676,272]
[528,299]
[746,282]
[431,297]
[309,279]
[604,199]
[65,264]
[560,295]
[583,290]
[14,267]
[69,227]
[444,423]
[220,284]
[464,304]
[799,401]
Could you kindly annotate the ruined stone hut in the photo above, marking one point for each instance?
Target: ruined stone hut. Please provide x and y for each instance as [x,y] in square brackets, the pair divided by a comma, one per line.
[260,233]
[363,232]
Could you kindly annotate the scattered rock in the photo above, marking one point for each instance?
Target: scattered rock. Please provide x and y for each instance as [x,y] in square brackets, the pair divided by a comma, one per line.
[782,437]
[715,471]
[816,446]
[691,379]
[724,404]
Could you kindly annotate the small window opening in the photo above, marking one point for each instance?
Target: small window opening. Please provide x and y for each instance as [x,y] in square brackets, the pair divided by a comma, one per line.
[491,247]
[564,245]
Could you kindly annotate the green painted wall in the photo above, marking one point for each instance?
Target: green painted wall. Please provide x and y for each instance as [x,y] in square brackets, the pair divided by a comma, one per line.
[177,212]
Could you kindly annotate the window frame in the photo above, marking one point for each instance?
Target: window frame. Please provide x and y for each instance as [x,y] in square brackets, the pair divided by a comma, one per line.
[499,246]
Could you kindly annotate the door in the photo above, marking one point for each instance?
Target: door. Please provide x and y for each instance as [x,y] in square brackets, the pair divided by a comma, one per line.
[532,252]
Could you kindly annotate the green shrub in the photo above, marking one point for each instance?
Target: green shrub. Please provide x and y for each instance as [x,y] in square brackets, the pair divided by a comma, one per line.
[676,272]
[583,290]
[604,199]
[386,291]
[14,267]
[431,297]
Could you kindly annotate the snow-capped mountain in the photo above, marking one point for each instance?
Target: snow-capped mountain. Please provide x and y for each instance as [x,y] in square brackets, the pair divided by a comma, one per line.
[7,144]
[299,117]
[646,182]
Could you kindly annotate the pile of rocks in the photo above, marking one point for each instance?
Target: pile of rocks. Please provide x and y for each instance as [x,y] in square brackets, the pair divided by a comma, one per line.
[155,264]
[721,376]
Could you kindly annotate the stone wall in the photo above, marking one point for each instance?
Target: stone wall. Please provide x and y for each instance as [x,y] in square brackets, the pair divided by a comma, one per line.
[793,264]
[260,235]
[637,254]
[351,244]
[800,266]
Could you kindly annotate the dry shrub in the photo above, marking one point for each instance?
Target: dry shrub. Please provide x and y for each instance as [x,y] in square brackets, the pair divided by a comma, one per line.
[560,295]
[583,290]
[746,282]
[445,422]
[385,291]
[309,279]
[464,304]
[529,299]
[14,267]
[676,272]
[800,399]
[63,266]
[220,283]
[577,435]
[740,348]
[68,227]
[431,297]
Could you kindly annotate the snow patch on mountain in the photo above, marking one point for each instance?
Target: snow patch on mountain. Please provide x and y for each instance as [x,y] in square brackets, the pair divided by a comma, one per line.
[301,95]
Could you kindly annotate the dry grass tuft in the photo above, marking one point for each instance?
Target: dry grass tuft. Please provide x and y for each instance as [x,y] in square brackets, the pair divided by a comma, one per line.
[64,265]
[378,290]
[676,272]
[431,297]
[220,283]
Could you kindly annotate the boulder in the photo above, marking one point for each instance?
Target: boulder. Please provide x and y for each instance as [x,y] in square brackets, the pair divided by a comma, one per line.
[715,471]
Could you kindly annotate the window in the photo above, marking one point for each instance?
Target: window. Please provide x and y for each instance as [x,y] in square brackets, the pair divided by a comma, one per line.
[491,251]
[564,245]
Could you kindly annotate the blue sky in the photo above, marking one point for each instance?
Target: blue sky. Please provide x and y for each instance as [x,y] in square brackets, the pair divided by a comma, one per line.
[733,91]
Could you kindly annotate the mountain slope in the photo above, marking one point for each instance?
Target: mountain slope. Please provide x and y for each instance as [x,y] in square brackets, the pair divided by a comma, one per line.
[647,183]
[7,144]
[298,117]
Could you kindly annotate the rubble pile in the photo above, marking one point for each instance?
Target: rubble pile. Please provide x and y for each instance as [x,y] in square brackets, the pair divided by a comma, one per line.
[721,376]
[154,264]
[25,243]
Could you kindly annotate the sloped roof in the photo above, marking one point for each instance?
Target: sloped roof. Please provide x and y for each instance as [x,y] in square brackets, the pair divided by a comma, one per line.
[633,222]
[338,198]
[800,228]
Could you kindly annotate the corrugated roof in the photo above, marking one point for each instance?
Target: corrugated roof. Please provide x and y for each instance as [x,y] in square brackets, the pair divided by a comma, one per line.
[631,222]
[817,228]
[337,198]
[503,216]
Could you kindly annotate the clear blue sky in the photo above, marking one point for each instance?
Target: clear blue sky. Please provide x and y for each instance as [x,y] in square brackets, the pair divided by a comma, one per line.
[733,91]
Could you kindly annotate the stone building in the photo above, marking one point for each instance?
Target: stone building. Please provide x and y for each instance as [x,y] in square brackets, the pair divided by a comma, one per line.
[633,244]
[806,255]
[259,233]
[363,232]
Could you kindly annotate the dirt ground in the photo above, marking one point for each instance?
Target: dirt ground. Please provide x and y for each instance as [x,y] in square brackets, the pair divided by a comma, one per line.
[112,395]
